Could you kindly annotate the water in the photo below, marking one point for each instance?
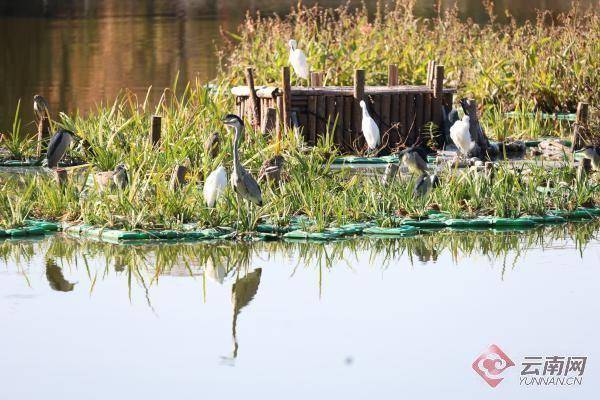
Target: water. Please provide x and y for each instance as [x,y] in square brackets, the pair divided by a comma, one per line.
[348,319]
[78,53]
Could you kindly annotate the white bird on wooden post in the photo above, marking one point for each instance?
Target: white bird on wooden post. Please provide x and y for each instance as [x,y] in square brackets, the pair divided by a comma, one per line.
[214,186]
[459,133]
[298,60]
[369,128]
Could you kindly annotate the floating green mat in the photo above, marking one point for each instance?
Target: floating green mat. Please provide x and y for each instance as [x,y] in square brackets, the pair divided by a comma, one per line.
[433,222]
[575,215]
[274,229]
[45,225]
[319,236]
[366,160]
[401,231]
[546,219]
[117,235]
[19,163]
[512,222]
[468,223]
[25,231]
[557,116]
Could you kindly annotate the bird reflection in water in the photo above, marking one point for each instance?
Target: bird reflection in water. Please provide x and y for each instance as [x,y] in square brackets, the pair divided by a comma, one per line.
[56,279]
[242,293]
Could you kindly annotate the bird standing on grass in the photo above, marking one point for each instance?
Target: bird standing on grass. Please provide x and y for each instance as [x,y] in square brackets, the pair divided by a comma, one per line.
[58,146]
[298,60]
[459,133]
[214,186]
[212,146]
[369,128]
[425,183]
[40,107]
[414,159]
[244,185]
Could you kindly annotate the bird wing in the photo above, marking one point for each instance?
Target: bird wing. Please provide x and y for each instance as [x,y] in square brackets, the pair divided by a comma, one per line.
[299,63]
[370,132]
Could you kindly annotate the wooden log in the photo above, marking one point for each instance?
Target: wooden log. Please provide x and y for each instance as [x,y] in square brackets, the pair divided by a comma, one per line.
[279,117]
[580,126]
[339,122]
[287,95]
[263,92]
[254,102]
[431,66]
[321,117]
[42,134]
[348,134]
[155,129]
[359,94]
[312,120]
[368,90]
[316,79]
[270,120]
[438,92]
[392,75]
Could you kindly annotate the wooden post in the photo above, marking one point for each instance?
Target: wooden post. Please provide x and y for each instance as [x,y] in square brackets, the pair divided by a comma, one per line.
[253,98]
[359,94]
[279,118]
[438,93]
[270,121]
[287,95]
[43,133]
[392,75]
[60,176]
[316,79]
[312,120]
[580,126]
[155,130]
[431,69]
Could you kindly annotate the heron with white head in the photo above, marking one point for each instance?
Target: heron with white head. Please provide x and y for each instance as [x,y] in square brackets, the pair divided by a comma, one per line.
[298,60]
[460,135]
[215,186]
[57,148]
[243,184]
[370,130]
[40,107]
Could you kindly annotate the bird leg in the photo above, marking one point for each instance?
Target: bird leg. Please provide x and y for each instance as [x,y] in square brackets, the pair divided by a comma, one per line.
[237,223]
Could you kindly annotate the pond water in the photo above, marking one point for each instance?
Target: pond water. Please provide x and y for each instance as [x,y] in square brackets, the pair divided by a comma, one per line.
[348,319]
[78,53]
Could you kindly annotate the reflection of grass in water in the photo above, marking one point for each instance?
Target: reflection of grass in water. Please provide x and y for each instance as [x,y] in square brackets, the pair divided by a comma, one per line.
[236,259]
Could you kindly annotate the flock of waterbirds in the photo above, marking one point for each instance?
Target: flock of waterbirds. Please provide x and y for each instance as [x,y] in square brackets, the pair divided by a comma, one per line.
[243,183]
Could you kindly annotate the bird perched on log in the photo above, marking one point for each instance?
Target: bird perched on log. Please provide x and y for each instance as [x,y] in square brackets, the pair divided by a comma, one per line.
[244,184]
[592,154]
[298,61]
[215,186]
[460,135]
[40,107]
[369,128]
[212,146]
[425,183]
[58,146]
[414,158]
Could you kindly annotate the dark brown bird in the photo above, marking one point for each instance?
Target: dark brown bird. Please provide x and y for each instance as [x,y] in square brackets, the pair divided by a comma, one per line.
[212,145]
[40,107]
[271,169]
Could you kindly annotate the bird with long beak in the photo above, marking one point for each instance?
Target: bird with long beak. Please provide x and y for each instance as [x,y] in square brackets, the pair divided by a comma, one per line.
[298,61]
[243,184]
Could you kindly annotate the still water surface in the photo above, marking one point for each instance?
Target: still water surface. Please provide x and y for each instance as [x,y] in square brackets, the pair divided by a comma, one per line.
[78,53]
[352,319]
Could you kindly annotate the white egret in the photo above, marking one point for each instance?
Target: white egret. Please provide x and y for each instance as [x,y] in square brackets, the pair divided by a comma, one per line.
[369,128]
[298,60]
[214,186]
[459,133]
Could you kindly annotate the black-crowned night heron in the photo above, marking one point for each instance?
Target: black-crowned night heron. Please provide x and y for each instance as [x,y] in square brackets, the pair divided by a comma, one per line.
[120,177]
[590,153]
[40,107]
[415,159]
[425,183]
[58,146]
[212,146]
[244,185]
